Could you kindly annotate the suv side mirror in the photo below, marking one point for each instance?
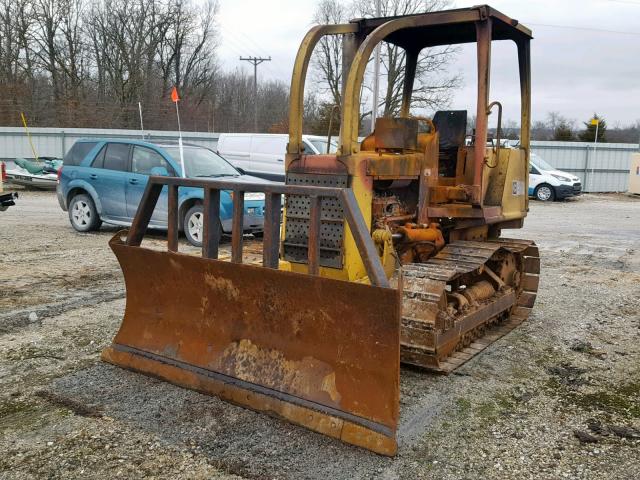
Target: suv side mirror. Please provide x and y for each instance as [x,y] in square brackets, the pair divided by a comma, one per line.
[160,172]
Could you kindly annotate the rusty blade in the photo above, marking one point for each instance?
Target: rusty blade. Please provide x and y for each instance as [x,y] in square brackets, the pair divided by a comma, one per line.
[321,353]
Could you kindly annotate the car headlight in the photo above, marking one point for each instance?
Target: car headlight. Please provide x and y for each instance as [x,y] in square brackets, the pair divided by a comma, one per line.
[561,178]
[254,196]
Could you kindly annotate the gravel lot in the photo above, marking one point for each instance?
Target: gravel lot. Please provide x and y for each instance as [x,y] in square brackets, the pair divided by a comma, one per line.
[559,397]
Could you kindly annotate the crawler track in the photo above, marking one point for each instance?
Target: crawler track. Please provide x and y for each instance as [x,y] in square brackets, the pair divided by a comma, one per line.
[436,336]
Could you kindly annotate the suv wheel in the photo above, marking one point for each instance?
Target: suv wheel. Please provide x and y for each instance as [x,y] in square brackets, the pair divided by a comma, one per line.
[83,214]
[545,193]
[193,225]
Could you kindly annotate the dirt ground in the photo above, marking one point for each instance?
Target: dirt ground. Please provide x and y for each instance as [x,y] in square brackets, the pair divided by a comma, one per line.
[559,397]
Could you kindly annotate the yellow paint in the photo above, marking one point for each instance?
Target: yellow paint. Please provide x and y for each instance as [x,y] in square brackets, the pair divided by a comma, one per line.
[33,149]
[515,206]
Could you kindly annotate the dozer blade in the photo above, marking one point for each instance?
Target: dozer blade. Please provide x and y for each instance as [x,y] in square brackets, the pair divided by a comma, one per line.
[321,353]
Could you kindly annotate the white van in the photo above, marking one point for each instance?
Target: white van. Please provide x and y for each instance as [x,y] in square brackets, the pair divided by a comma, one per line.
[262,154]
[548,184]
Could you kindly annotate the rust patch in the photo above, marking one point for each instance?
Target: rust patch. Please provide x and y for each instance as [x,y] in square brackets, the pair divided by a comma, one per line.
[268,367]
[223,286]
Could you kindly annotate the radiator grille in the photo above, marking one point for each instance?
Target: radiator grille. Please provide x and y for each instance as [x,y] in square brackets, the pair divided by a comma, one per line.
[331,216]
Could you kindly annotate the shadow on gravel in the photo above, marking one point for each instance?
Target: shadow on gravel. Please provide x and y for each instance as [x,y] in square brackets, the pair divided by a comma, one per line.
[239,441]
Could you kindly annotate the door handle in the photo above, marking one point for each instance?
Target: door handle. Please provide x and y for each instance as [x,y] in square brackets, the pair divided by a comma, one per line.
[133,181]
[93,176]
[281,159]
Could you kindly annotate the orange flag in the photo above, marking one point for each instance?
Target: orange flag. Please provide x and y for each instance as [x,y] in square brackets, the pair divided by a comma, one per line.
[174,95]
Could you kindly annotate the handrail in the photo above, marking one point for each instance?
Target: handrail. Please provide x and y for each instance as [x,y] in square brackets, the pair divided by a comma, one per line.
[498,129]
[272,218]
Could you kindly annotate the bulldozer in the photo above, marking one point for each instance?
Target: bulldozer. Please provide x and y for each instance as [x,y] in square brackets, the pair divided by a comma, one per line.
[387,252]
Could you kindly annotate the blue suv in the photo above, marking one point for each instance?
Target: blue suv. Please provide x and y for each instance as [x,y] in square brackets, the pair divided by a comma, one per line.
[103,181]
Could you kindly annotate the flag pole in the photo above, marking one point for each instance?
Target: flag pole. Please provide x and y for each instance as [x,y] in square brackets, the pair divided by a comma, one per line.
[176,99]
[141,124]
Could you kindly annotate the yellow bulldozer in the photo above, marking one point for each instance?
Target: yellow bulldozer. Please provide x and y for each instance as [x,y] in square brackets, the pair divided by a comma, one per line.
[387,252]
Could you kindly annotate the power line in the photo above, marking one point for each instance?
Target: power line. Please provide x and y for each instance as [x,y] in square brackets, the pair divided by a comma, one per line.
[624,2]
[256,45]
[591,29]
[255,61]
[245,45]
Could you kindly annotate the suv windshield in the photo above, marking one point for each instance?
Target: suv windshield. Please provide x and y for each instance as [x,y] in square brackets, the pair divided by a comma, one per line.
[540,163]
[321,145]
[202,162]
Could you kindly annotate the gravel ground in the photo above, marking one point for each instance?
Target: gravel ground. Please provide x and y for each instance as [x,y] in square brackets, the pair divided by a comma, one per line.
[559,397]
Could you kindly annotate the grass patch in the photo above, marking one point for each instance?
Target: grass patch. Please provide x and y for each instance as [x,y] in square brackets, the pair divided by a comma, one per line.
[622,400]
[8,407]
[17,414]
[464,405]
[486,411]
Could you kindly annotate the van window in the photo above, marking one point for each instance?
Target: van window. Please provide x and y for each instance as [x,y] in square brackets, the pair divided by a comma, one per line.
[269,145]
[144,159]
[77,152]
[117,156]
[237,143]
[321,145]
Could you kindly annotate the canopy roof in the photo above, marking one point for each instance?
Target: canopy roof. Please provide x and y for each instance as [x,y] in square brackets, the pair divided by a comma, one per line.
[446,27]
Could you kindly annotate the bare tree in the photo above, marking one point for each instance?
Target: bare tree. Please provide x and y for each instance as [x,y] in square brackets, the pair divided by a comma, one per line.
[16,65]
[433,85]
[540,130]
[125,36]
[327,57]
[510,130]
[89,63]
[555,119]
[48,18]
[71,57]
[15,21]
[187,51]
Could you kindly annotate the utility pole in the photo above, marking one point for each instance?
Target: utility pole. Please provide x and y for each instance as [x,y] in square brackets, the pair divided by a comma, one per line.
[376,78]
[255,61]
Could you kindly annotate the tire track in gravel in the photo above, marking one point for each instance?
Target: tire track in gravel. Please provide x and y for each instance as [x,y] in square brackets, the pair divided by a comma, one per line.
[12,321]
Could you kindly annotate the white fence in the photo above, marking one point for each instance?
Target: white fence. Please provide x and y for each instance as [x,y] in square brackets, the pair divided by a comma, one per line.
[54,142]
[606,170]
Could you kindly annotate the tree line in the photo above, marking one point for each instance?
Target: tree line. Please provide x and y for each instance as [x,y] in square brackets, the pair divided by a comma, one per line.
[560,128]
[557,127]
[91,63]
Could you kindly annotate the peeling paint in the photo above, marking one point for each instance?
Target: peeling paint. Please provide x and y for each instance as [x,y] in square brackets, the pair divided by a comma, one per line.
[309,378]
[223,286]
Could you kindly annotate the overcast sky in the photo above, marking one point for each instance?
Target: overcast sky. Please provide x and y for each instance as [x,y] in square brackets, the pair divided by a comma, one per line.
[593,66]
